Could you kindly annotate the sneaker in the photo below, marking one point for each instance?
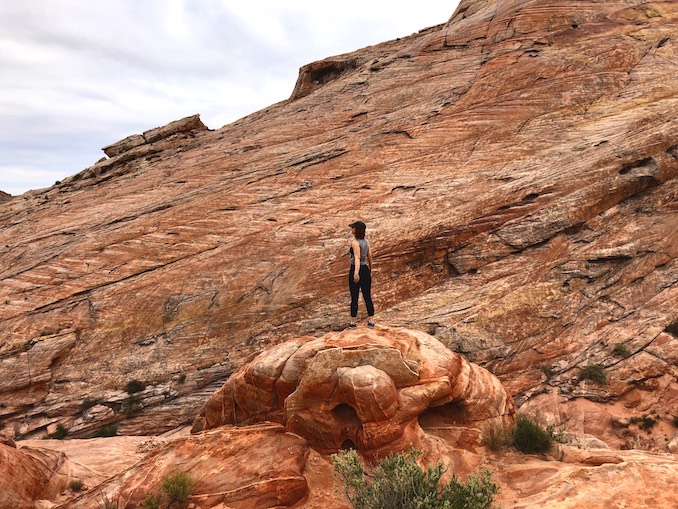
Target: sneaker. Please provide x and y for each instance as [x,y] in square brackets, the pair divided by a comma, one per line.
[370,324]
[352,325]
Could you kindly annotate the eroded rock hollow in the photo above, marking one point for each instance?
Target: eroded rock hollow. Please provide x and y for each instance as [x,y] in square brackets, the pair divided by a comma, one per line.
[367,389]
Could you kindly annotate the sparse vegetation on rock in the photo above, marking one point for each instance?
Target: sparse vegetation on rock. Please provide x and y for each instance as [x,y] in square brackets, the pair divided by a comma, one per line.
[548,370]
[134,386]
[497,437]
[132,404]
[525,435]
[106,431]
[177,487]
[528,436]
[76,485]
[59,434]
[646,421]
[107,503]
[151,501]
[595,373]
[174,491]
[89,403]
[621,350]
[399,482]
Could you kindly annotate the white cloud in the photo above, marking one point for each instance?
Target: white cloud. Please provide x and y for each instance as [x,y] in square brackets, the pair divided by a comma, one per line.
[79,75]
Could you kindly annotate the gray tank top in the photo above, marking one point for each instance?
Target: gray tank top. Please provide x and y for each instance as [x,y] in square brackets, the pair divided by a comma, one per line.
[364,249]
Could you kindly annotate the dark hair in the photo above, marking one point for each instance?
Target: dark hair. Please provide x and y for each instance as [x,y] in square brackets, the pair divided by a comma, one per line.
[359,233]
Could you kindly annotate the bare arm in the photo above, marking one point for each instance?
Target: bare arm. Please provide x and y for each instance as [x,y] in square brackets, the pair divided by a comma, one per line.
[356,255]
[369,258]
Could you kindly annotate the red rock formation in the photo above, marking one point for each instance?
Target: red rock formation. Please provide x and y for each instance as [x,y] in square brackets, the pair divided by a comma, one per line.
[516,167]
[364,388]
[4,196]
[259,466]
[185,125]
[28,475]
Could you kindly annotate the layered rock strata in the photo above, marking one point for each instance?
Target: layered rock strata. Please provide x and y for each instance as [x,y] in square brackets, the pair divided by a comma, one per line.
[260,466]
[364,389]
[29,475]
[515,166]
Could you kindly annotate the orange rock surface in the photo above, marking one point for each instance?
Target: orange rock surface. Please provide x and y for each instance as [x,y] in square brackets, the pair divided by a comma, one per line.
[516,167]
[29,475]
[367,389]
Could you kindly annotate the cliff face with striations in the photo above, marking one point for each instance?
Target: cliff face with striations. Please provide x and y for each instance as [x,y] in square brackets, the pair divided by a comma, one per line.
[515,166]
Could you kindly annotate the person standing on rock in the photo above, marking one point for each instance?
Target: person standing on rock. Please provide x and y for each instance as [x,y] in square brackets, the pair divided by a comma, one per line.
[360,280]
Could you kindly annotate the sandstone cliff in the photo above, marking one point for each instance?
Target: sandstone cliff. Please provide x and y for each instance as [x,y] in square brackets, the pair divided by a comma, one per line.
[515,166]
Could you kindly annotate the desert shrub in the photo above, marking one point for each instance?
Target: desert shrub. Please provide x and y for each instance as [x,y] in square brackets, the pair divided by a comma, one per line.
[134,386]
[89,403]
[76,485]
[672,328]
[497,437]
[620,350]
[399,482]
[645,422]
[177,486]
[595,373]
[151,501]
[182,379]
[106,431]
[132,404]
[107,503]
[675,421]
[547,370]
[59,434]
[557,435]
[529,437]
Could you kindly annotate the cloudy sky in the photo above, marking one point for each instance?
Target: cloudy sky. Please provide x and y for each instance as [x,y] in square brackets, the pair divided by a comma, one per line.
[76,75]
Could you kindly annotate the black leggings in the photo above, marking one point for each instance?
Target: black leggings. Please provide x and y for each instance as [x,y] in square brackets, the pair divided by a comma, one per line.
[364,285]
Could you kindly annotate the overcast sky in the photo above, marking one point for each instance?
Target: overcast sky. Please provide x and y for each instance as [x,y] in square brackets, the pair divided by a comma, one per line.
[76,75]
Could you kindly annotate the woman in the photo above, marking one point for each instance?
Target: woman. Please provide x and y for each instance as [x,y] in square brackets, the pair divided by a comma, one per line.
[361,279]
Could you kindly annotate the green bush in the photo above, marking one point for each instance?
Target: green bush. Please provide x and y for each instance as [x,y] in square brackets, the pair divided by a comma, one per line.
[134,386]
[529,437]
[525,435]
[177,486]
[106,431]
[620,350]
[76,485]
[595,373]
[399,482]
[151,501]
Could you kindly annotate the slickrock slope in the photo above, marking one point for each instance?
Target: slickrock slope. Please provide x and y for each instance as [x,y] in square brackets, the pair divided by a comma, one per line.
[4,196]
[515,166]
[371,390]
